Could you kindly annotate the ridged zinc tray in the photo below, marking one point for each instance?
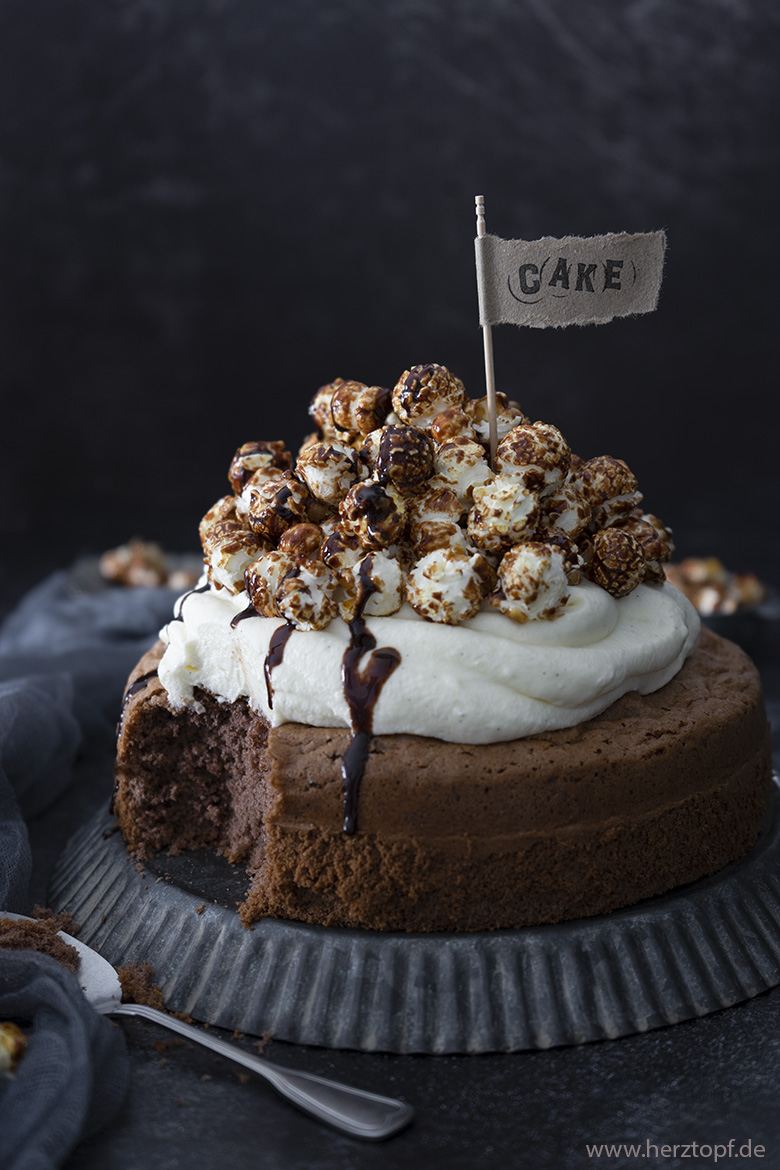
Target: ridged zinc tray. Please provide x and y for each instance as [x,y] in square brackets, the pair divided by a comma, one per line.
[703,947]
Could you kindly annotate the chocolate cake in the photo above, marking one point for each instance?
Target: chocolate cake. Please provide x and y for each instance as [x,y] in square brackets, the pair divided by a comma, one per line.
[418,692]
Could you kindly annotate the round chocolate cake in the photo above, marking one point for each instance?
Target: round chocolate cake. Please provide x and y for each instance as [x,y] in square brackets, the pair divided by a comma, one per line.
[659,790]
[419,689]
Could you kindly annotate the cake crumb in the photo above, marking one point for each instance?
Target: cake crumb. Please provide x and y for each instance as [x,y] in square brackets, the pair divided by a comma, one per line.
[62,920]
[163,1045]
[138,986]
[42,936]
[200,908]
[263,1042]
[245,1078]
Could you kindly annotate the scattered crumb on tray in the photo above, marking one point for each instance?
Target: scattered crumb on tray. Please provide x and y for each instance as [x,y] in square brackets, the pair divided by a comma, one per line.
[263,1042]
[164,1045]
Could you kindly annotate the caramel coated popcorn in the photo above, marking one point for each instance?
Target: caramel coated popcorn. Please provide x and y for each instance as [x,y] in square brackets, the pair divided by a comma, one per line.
[393,499]
[423,392]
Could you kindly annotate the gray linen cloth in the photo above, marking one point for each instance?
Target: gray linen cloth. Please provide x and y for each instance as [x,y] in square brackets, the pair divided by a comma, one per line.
[65,654]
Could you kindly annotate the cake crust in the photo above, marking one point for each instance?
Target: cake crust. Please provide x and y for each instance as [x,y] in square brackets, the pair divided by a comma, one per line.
[657,791]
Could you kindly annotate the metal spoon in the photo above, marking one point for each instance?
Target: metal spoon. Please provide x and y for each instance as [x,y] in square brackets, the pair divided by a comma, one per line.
[354,1111]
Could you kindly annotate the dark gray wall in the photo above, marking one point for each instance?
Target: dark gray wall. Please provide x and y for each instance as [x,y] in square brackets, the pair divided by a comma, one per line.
[210,207]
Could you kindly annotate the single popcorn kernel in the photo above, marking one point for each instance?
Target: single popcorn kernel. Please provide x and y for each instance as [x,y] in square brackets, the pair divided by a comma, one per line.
[437,503]
[328,470]
[224,509]
[378,575]
[565,510]
[532,582]
[254,457]
[452,423]
[609,486]
[504,512]
[656,545]
[448,585]
[302,542]
[508,416]
[277,505]
[306,596]
[537,454]
[375,513]
[228,552]
[404,458]
[262,578]
[320,410]
[358,409]
[423,392]
[340,552]
[461,464]
[617,563]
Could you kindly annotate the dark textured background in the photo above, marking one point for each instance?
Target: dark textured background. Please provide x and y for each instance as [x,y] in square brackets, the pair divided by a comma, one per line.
[210,207]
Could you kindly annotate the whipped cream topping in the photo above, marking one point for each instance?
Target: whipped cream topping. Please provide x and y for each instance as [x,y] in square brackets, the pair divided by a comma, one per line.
[487,680]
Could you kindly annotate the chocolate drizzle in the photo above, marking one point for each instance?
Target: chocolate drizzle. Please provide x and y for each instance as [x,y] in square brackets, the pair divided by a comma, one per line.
[279,640]
[249,612]
[362,688]
[179,617]
[133,689]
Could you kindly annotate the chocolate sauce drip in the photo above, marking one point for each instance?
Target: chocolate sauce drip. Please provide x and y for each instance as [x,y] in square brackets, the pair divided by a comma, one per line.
[133,689]
[249,612]
[362,688]
[179,617]
[280,498]
[273,658]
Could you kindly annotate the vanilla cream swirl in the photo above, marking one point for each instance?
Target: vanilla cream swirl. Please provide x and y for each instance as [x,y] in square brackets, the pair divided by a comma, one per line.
[486,680]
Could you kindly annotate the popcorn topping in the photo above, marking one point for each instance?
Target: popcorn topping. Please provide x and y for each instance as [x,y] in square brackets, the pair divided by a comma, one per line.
[328,470]
[618,563]
[404,459]
[610,487]
[423,392]
[565,510]
[451,424]
[532,582]
[381,575]
[320,410]
[278,504]
[229,550]
[394,498]
[375,513]
[504,512]
[448,585]
[254,457]
[461,464]
[358,409]
[508,415]
[537,454]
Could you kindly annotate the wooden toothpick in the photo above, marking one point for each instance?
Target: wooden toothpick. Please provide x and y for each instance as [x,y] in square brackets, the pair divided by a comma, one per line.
[487,338]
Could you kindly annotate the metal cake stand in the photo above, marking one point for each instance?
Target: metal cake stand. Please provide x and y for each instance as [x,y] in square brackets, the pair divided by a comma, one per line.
[700,948]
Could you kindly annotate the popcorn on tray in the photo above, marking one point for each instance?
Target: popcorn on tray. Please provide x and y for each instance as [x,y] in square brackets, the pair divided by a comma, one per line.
[393,499]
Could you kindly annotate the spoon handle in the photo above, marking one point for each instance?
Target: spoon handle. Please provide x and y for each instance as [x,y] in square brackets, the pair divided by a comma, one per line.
[354,1111]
